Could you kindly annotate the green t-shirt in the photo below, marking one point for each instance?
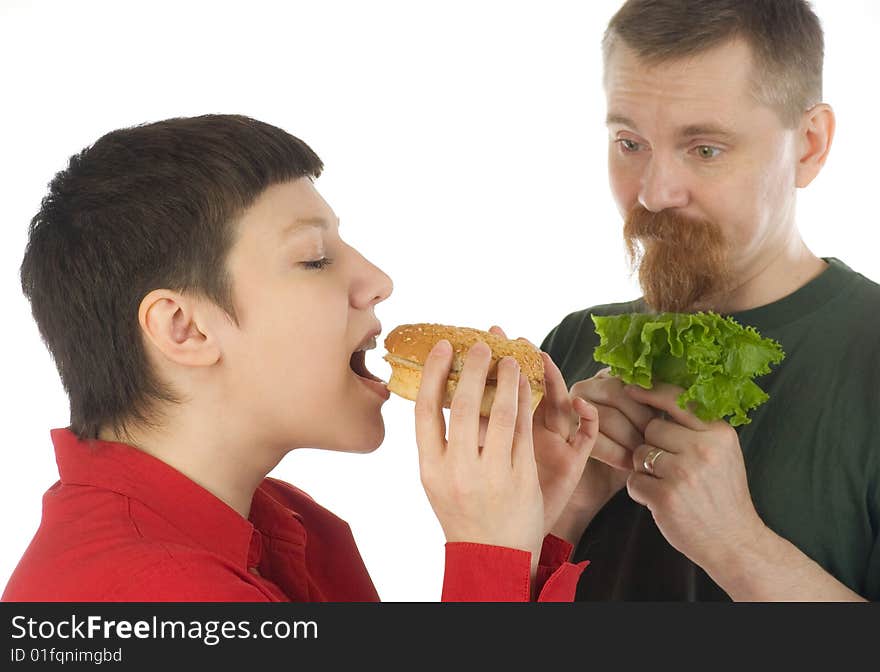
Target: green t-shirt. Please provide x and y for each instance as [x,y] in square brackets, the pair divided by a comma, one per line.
[812,452]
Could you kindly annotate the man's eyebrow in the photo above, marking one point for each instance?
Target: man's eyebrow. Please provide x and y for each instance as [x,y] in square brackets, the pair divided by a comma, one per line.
[714,130]
[689,131]
[621,120]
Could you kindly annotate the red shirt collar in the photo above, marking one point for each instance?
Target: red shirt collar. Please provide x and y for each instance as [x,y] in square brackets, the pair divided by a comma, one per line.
[206,519]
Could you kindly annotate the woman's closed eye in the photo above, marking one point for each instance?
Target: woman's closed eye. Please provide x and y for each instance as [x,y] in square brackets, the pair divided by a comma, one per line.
[317,264]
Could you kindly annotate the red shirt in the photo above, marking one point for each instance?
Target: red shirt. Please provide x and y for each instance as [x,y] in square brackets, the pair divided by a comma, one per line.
[123,526]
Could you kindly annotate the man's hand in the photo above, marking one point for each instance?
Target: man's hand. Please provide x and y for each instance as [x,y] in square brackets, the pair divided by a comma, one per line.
[564,431]
[697,493]
[485,494]
[622,423]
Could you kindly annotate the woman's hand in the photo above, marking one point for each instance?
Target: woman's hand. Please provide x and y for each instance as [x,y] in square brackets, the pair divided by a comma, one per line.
[564,431]
[486,492]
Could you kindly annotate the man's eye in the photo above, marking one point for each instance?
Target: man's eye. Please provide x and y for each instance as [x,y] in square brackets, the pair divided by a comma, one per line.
[628,145]
[317,264]
[708,152]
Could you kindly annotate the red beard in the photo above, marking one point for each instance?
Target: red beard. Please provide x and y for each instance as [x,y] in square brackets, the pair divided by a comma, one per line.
[683,263]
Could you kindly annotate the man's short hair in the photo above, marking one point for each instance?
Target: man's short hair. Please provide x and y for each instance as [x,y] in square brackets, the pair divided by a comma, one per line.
[785,37]
[146,207]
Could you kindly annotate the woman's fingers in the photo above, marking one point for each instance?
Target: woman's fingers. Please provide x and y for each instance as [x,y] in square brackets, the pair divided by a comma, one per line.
[523,452]
[588,425]
[464,416]
[430,423]
[556,413]
[489,496]
[502,419]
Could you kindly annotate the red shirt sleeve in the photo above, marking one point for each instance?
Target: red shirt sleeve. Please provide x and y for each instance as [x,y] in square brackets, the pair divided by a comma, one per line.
[485,573]
[557,578]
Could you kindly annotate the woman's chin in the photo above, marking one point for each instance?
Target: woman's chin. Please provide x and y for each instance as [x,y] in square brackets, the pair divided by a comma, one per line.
[367,440]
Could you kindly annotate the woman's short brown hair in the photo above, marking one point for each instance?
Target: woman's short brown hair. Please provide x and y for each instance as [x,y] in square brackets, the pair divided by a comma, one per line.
[147,207]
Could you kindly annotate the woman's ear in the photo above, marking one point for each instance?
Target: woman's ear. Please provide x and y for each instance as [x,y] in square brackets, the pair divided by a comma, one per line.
[816,133]
[169,321]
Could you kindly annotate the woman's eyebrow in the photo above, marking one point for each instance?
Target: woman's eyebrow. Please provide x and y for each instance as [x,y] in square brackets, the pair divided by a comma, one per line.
[302,222]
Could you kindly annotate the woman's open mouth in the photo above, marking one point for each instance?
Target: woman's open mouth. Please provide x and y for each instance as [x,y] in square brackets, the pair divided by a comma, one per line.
[358,364]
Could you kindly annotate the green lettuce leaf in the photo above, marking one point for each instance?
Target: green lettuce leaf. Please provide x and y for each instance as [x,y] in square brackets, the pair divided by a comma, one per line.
[713,358]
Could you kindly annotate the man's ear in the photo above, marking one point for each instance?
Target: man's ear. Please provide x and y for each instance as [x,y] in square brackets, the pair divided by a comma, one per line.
[816,133]
[170,321]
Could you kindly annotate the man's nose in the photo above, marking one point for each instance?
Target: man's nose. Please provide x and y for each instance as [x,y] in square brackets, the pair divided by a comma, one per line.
[664,184]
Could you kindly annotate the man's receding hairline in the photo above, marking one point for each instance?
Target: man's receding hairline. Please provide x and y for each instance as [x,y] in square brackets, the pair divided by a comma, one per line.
[661,59]
[757,75]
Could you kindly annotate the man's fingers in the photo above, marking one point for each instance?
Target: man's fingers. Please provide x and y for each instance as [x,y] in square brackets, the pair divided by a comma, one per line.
[611,453]
[658,461]
[668,435]
[644,488]
[430,423]
[618,427]
[664,397]
[609,391]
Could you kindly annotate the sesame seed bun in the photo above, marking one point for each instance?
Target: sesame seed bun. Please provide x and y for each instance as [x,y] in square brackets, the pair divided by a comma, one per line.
[408,347]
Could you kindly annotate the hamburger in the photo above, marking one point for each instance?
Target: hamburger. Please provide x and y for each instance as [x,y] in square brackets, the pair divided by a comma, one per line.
[408,346]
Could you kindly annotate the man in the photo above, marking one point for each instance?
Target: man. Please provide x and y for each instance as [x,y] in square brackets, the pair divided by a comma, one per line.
[715,120]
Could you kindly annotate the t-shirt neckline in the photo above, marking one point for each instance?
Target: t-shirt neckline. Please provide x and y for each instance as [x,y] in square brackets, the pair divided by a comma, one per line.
[809,298]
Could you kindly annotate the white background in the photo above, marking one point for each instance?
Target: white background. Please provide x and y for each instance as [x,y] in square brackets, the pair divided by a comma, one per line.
[465,152]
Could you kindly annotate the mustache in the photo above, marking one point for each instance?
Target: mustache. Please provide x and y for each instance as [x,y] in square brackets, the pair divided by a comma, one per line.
[683,262]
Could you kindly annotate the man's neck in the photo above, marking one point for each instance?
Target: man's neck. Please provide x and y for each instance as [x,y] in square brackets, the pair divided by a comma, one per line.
[208,455]
[773,278]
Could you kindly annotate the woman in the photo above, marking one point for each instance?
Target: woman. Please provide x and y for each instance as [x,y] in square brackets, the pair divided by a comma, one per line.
[206,318]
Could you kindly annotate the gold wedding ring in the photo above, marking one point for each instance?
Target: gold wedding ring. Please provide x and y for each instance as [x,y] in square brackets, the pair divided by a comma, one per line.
[651,458]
